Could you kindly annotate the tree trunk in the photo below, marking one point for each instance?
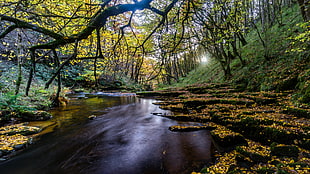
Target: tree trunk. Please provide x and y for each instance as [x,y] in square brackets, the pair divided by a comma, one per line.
[56,101]
[32,71]
[304,6]
[19,61]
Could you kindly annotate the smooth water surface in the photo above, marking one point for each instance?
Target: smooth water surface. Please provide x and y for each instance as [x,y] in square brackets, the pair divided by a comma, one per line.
[124,138]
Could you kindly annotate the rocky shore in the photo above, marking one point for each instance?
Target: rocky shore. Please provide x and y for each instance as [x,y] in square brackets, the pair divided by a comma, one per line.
[253,132]
[14,137]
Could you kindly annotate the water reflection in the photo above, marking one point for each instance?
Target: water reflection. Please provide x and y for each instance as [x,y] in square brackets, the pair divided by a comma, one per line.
[127,138]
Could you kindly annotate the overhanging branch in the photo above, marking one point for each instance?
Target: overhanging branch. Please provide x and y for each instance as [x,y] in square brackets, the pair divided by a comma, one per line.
[22,24]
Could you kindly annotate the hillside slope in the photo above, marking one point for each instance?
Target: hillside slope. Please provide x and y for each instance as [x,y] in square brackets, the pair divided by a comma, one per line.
[287,67]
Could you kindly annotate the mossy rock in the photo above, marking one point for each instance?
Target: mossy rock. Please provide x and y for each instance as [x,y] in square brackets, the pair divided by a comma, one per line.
[306,94]
[13,142]
[265,170]
[174,108]
[35,115]
[276,135]
[249,121]
[149,93]
[228,138]
[263,100]
[196,102]
[243,161]
[298,112]
[288,83]
[19,129]
[196,118]
[304,143]
[254,156]
[234,169]
[284,150]
[179,117]
[299,164]
[160,93]
[223,119]
[248,127]
[178,128]
[204,88]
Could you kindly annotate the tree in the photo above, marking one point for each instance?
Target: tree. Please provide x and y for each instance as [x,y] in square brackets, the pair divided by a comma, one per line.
[115,37]
[222,29]
[60,34]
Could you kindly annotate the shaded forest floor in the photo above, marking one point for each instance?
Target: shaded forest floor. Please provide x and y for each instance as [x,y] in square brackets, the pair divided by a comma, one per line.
[253,132]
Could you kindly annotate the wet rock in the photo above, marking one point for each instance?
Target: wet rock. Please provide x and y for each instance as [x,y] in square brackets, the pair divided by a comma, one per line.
[178,128]
[19,146]
[92,117]
[35,115]
[158,114]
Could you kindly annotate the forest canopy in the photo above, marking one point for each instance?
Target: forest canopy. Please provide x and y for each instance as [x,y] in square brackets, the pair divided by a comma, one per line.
[142,40]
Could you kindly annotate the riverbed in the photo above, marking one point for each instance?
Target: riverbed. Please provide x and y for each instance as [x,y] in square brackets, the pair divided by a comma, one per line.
[123,137]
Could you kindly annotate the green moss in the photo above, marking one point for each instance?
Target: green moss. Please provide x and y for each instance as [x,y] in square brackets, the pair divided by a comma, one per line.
[35,115]
[284,150]
[228,139]
[254,156]
[265,170]
[298,112]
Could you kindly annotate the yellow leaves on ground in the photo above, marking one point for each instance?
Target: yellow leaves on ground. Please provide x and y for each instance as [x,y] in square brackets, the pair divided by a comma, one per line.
[224,162]
[269,117]
[8,143]
[18,128]
[13,136]
[222,131]
[255,147]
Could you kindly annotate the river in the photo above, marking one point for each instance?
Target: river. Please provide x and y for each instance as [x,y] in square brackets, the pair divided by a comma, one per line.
[125,138]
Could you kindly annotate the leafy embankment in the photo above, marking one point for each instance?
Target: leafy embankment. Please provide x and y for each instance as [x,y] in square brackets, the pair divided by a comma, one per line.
[16,137]
[255,132]
[14,109]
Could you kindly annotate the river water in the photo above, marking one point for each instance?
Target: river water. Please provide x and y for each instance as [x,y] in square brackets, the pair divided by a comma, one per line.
[125,138]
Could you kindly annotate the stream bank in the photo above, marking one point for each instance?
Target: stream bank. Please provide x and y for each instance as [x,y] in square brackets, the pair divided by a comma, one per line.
[254,132]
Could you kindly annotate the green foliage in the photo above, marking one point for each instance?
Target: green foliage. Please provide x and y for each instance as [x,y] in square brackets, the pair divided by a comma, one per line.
[300,43]
[303,96]
[38,97]
[8,101]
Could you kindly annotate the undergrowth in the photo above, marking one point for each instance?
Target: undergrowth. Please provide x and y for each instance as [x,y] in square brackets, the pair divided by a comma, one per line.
[37,99]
